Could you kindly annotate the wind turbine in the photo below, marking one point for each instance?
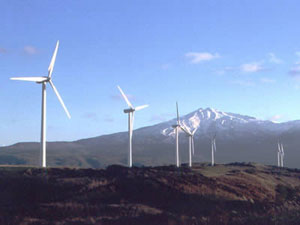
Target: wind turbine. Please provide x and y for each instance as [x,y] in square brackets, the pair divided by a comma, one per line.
[44,80]
[282,155]
[213,150]
[278,155]
[176,128]
[130,112]
[191,142]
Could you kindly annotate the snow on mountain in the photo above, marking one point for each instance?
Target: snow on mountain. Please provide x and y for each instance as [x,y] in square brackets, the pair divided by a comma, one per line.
[210,121]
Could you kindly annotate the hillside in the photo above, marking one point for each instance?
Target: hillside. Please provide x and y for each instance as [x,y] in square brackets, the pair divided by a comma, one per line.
[239,138]
[225,194]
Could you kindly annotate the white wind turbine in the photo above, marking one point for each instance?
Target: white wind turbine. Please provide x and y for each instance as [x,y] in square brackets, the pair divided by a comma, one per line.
[280,155]
[176,128]
[213,150]
[44,80]
[191,142]
[130,112]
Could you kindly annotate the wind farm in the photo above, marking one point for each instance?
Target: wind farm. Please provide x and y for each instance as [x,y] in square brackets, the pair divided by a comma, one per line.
[182,113]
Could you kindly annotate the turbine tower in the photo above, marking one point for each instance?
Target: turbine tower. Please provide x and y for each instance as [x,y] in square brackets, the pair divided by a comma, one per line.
[44,80]
[176,128]
[213,150]
[191,142]
[278,155]
[130,112]
[282,155]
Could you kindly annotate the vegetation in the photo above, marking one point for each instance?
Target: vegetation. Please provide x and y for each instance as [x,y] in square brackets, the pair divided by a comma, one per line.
[224,194]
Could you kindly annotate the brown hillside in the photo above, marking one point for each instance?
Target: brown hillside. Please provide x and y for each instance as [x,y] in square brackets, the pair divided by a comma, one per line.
[224,194]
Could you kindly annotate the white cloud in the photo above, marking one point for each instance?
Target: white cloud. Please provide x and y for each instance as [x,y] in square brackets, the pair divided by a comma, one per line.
[267,80]
[274,59]
[276,118]
[252,67]
[198,57]
[30,50]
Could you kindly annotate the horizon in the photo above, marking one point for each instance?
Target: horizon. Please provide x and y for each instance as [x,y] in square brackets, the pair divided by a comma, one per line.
[238,57]
[166,121]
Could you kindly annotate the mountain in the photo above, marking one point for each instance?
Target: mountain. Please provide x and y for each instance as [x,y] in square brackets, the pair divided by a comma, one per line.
[236,194]
[239,138]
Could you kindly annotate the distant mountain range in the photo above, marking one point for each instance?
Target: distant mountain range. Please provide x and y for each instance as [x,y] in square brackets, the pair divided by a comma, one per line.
[239,138]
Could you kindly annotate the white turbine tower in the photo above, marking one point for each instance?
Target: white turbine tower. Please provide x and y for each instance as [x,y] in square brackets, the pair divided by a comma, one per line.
[176,128]
[213,150]
[278,155]
[130,112]
[44,80]
[191,142]
[282,155]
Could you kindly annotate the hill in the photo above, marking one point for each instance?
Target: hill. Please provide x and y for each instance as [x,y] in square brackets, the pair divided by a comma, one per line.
[239,138]
[239,193]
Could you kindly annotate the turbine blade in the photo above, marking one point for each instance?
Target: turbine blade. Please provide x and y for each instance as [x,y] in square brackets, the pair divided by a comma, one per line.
[51,65]
[33,79]
[60,99]
[194,131]
[177,113]
[141,107]
[184,130]
[125,98]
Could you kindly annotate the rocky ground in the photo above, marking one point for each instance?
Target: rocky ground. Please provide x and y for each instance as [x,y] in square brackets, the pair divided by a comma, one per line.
[239,193]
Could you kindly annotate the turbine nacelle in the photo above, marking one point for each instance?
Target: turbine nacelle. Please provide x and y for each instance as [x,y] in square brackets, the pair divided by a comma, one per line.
[128,110]
[47,79]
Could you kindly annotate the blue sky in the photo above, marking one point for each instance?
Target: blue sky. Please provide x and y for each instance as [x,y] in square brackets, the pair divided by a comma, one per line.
[235,56]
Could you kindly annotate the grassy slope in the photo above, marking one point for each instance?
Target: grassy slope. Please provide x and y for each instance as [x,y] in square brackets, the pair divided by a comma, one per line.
[224,194]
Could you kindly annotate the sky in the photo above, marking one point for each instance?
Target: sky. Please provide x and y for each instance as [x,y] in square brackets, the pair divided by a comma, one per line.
[240,56]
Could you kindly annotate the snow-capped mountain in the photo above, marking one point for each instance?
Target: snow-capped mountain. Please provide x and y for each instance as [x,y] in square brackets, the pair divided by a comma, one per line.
[210,121]
[238,138]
